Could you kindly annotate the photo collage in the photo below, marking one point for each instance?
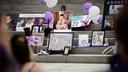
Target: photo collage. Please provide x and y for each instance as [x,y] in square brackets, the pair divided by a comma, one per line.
[59,20]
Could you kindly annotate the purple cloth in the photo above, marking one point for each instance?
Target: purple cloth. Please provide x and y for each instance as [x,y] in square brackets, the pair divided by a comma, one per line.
[117,65]
[6,63]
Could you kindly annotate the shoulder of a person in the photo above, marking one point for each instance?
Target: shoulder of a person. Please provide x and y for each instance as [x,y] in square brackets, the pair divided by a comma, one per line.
[37,68]
[26,67]
[32,65]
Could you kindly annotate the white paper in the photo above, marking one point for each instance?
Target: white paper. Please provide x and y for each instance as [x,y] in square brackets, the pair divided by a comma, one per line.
[67,30]
[83,40]
[31,15]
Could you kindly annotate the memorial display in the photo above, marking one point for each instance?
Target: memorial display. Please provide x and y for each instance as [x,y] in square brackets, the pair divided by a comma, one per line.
[98,38]
[58,41]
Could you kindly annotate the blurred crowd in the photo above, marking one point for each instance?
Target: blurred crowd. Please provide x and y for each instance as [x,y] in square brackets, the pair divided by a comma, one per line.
[15,54]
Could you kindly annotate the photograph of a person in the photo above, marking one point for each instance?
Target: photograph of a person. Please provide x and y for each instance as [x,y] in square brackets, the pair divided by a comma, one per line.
[98,38]
[62,21]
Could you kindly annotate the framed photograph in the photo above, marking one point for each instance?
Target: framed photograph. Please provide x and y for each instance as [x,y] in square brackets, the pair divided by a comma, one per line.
[58,41]
[97,38]
[62,20]
[36,39]
[66,50]
[83,40]
[39,38]
[35,29]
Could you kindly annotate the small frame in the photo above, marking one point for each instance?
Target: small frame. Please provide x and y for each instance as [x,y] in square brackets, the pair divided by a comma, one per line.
[97,38]
[35,28]
[66,50]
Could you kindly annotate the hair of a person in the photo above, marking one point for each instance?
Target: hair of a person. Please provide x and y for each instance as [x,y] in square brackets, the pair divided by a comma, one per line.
[20,49]
[121,27]
[3,60]
[63,8]
[62,15]
[0,18]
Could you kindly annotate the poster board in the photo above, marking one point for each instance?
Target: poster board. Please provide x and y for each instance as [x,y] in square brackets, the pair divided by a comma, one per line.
[58,41]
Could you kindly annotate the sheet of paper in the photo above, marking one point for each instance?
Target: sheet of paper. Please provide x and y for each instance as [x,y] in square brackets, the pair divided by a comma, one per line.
[83,40]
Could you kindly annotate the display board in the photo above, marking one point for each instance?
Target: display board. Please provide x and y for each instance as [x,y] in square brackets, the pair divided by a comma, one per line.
[58,41]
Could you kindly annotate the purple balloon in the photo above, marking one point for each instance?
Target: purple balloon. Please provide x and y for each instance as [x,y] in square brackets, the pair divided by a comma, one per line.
[42,1]
[48,16]
[86,7]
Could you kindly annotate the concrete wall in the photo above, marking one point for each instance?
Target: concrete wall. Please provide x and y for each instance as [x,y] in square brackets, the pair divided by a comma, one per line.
[34,6]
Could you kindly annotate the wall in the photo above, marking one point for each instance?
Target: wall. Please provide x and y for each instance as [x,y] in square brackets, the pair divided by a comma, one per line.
[34,6]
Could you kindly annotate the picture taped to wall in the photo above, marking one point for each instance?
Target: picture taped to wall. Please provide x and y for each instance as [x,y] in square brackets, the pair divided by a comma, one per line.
[97,38]
[58,41]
